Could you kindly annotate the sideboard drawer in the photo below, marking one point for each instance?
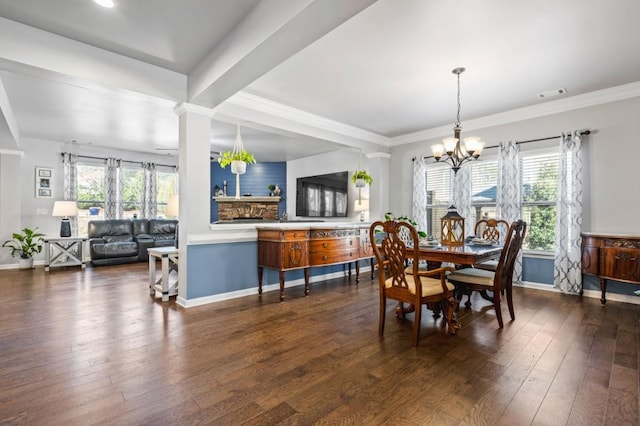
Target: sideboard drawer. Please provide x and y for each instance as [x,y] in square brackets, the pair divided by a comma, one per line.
[296,235]
[334,256]
[622,264]
[333,244]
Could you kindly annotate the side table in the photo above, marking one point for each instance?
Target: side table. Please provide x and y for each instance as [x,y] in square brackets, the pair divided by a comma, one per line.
[169,261]
[63,251]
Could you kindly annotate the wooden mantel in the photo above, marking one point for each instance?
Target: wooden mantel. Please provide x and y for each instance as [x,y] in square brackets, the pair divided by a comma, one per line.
[230,208]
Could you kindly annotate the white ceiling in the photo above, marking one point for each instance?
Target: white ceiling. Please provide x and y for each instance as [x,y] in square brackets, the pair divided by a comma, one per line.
[382,74]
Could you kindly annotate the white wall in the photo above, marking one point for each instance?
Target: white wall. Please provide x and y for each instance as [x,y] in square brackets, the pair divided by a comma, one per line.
[611,154]
[335,161]
[17,187]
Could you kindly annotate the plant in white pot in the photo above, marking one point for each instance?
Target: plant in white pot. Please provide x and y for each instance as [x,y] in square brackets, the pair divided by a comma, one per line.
[361,177]
[25,245]
[238,158]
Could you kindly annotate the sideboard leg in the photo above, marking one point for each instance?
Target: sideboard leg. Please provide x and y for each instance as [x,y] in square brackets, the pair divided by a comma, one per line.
[349,270]
[603,288]
[307,272]
[282,286]
[260,271]
[357,271]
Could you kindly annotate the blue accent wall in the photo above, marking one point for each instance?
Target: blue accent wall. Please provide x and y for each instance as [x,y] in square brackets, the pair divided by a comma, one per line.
[222,268]
[255,181]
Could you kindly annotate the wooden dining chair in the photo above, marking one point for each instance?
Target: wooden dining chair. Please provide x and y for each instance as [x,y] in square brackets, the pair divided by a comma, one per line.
[491,229]
[473,279]
[419,287]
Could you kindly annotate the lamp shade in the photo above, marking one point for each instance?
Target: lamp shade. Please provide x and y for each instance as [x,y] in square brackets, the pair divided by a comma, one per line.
[173,205]
[64,208]
[361,205]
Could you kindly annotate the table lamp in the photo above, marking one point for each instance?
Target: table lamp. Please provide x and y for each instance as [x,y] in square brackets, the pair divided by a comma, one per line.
[65,209]
[361,205]
[173,205]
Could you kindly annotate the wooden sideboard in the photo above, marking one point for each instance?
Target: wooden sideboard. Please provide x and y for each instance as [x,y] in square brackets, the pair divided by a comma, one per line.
[286,248]
[611,257]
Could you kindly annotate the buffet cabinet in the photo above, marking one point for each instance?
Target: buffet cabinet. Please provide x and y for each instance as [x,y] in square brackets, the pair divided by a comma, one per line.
[611,257]
[286,249]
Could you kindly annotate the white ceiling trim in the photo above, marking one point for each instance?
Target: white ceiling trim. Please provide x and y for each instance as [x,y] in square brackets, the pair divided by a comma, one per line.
[7,111]
[378,155]
[280,111]
[183,107]
[618,93]
[11,152]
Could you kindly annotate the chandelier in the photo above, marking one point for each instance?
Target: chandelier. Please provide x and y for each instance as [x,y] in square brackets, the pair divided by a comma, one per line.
[457,151]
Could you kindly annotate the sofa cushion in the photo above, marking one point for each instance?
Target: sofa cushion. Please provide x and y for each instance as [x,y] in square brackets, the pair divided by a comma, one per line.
[100,228]
[117,238]
[162,226]
[140,226]
[114,249]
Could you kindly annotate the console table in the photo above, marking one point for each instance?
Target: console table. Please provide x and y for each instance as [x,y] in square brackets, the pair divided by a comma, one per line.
[613,257]
[285,248]
[63,251]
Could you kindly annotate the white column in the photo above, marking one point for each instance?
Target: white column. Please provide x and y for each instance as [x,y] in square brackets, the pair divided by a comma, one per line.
[379,191]
[195,176]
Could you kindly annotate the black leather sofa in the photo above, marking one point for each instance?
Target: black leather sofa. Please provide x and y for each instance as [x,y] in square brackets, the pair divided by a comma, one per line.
[115,241]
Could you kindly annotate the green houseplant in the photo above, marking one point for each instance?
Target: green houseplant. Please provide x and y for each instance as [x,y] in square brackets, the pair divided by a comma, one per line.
[360,177]
[228,156]
[25,245]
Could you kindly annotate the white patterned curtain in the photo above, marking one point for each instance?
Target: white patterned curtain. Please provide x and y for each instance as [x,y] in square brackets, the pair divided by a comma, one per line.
[149,191]
[508,200]
[113,208]
[461,197]
[70,184]
[567,274]
[419,207]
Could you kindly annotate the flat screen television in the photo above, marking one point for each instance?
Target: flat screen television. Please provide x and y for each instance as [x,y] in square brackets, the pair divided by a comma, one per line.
[322,195]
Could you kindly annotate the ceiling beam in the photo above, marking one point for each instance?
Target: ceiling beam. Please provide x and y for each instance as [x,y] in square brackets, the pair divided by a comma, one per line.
[271,33]
[9,124]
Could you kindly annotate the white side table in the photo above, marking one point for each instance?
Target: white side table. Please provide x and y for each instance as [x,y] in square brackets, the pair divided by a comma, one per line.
[63,251]
[169,261]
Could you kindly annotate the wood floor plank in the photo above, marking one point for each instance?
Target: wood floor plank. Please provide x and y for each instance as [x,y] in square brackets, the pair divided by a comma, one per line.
[92,347]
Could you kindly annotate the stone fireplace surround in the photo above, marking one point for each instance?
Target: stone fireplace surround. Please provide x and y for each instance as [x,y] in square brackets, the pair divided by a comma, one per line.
[247,208]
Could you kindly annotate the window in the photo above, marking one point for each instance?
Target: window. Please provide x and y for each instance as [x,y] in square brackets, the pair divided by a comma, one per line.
[166,184]
[90,194]
[539,189]
[131,192]
[539,177]
[438,197]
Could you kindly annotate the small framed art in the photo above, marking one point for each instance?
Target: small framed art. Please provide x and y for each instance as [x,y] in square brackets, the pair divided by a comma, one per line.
[44,182]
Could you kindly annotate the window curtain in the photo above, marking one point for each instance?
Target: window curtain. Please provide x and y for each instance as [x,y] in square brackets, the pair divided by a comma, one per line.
[508,200]
[149,191]
[113,208]
[567,274]
[70,184]
[419,208]
[461,198]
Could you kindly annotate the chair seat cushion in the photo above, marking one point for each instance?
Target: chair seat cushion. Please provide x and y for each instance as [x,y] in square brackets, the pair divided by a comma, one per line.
[489,265]
[430,286]
[473,276]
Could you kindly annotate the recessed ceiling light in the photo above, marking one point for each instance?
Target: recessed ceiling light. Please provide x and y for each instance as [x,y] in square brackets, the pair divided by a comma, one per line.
[105,3]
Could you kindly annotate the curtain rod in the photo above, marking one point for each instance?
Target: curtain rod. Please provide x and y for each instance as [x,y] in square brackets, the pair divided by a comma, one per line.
[581,133]
[124,161]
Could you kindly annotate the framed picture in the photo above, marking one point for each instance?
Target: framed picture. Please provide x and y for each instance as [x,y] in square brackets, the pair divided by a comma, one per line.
[44,182]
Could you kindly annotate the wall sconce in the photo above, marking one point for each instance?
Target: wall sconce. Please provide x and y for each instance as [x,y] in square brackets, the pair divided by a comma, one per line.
[452,228]
[65,209]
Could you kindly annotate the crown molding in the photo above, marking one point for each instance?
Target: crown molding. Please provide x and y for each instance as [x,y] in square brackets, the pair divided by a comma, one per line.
[183,107]
[266,106]
[11,152]
[585,100]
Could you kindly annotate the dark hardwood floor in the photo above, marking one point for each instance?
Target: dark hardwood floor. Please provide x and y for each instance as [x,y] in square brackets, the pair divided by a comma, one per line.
[93,347]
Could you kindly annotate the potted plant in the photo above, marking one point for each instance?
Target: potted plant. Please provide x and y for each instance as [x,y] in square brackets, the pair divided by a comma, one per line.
[238,160]
[25,245]
[361,177]
[271,188]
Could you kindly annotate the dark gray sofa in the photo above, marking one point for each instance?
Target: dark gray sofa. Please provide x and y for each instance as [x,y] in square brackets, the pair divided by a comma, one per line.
[115,241]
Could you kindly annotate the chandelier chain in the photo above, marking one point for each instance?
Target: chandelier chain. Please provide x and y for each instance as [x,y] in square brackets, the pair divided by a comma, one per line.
[458,115]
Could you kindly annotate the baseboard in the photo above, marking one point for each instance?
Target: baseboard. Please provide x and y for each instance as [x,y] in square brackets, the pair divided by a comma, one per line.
[190,303]
[16,266]
[594,294]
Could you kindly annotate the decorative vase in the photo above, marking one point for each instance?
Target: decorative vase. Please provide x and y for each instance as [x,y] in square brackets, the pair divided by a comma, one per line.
[238,167]
[360,183]
[277,191]
[25,263]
